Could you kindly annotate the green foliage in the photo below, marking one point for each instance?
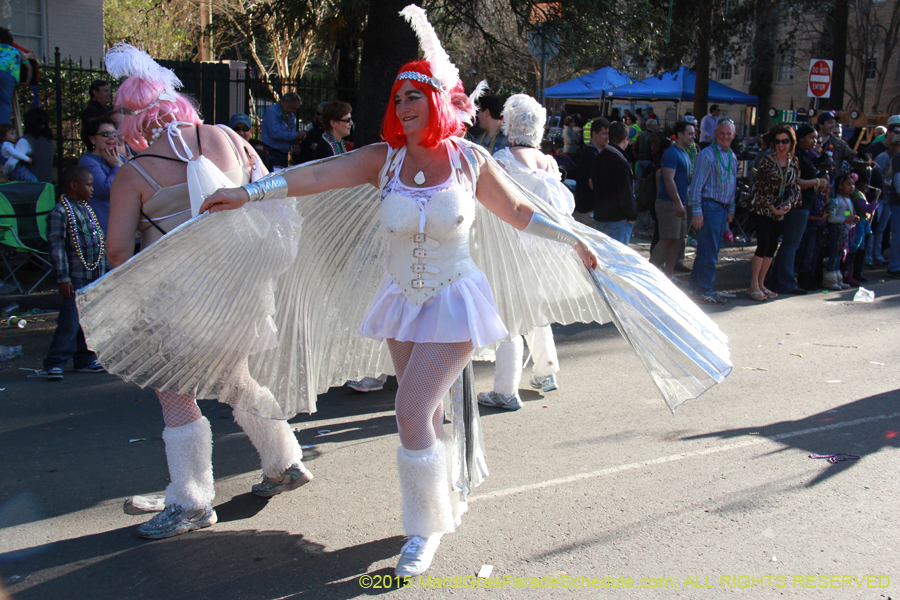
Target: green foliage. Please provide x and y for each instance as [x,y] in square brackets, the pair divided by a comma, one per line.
[166,29]
[75,80]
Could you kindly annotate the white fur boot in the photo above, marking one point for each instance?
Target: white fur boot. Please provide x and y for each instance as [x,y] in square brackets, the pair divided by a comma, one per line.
[273,439]
[189,454]
[508,368]
[425,491]
[543,352]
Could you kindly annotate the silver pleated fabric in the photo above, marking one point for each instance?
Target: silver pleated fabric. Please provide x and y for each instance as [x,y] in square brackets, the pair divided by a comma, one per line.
[278,288]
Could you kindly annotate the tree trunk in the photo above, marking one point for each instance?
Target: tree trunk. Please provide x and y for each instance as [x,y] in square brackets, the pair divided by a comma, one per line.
[701,84]
[388,43]
[348,58]
[762,67]
[841,15]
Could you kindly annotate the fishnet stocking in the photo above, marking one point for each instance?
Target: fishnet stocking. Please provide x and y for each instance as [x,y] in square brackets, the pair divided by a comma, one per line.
[178,409]
[425,372]
[238,385]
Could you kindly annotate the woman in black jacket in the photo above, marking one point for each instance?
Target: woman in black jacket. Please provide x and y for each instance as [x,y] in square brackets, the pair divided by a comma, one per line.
[338,123]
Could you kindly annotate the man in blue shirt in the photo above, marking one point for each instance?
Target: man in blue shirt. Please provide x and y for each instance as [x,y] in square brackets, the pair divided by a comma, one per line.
[711,208]
[676,173]
[279,129]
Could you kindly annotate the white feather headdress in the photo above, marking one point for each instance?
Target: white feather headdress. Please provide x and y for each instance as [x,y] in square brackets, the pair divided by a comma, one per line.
[442,69]
[479,91]
[124,60]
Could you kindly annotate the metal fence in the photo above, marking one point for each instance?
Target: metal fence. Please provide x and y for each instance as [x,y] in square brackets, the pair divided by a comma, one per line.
[220,89]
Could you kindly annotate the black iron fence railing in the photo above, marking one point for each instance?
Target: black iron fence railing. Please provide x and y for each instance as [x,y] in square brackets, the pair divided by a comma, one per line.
[220,89]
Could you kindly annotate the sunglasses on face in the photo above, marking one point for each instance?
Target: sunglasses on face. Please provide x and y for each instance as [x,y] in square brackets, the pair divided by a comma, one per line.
[895,130]
[106,134]
[347,120]
[241,128]
[783,141]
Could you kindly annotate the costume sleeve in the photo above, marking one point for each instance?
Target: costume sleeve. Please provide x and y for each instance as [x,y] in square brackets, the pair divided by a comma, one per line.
[56,235]
[701,172]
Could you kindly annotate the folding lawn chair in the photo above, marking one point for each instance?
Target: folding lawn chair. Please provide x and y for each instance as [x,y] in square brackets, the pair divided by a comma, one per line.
[23,226]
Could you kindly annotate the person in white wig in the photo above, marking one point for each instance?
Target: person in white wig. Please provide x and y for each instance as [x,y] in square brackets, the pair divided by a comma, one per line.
[523,124]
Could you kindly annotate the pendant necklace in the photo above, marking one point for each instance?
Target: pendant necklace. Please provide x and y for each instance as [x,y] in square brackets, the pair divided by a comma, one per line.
[420,176]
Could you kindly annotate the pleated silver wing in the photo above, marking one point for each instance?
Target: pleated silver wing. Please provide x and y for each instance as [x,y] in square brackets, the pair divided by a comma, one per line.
[281,287]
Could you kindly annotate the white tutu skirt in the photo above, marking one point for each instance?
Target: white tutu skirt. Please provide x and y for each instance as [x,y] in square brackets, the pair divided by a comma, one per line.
[463,311]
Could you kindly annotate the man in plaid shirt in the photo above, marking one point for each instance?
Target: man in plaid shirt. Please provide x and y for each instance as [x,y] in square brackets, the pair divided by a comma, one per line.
[78,254]
[710,206]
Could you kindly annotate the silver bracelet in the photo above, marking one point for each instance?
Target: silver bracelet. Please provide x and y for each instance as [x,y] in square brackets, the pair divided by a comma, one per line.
[270,188]
[543,227]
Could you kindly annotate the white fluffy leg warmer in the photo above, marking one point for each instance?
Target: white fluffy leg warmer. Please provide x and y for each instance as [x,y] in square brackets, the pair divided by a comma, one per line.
[189,454]
[425,491]
[543,352]
[273,439]
[508,368]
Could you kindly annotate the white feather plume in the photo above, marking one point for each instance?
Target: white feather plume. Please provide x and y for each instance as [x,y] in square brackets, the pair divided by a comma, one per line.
[441,66]
[124,60]
[479,91]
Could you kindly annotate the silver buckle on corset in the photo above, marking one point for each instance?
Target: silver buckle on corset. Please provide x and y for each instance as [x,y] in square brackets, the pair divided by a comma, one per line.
[419,267]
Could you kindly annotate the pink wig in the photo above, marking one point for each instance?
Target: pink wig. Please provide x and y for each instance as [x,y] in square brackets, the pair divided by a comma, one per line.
[136,94]
[464,106]
[443,122]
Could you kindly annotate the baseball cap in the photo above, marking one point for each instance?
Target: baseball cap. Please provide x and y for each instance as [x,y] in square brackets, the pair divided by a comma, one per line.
[893,120]
[239,119]
[828,114]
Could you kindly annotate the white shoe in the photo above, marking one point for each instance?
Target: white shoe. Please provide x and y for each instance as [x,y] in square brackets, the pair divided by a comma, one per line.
[417,554]
[498,400]
[546,384]
[366,384]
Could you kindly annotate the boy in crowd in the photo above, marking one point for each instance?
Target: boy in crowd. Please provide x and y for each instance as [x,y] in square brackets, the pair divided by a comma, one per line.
[78,254]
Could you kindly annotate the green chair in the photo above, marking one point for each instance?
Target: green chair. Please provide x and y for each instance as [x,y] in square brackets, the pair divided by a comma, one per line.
[23,226]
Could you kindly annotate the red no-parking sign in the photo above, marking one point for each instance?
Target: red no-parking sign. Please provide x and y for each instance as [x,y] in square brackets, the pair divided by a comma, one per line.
[820,72]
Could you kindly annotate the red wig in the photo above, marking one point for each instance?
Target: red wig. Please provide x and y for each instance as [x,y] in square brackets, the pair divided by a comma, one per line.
[443,122]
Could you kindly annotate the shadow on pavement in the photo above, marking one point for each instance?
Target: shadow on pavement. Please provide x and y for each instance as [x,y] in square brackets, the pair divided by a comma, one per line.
[198,565]
[868,437]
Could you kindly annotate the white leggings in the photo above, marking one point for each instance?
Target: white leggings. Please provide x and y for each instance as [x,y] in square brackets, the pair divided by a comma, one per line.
[508,368]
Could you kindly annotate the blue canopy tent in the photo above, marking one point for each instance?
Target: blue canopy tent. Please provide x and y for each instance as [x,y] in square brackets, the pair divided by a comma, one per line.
[678,87]
[592,85]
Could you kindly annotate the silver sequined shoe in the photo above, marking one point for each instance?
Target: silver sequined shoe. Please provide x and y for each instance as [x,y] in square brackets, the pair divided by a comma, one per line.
[175,520]
[546,384]
[416,555]
[292,478]
[498,400]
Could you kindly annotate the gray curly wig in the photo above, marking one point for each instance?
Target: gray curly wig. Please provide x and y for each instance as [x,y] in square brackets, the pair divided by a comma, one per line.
[523,120]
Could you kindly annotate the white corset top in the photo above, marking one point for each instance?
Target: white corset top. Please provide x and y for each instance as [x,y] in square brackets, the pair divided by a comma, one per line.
[442,212]
[426,234]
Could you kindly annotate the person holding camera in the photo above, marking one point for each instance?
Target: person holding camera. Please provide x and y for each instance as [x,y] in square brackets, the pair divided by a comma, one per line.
[775,191]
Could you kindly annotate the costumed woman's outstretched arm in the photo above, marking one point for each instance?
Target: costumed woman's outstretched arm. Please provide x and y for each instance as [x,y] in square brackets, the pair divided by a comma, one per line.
[346,171]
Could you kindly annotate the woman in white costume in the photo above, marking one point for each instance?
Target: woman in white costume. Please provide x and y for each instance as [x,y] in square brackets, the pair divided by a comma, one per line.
[433,306]
[395,222]
[151,195]
[523,124]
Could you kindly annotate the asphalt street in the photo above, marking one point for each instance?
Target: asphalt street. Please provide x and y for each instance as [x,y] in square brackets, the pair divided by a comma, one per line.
[596,490]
